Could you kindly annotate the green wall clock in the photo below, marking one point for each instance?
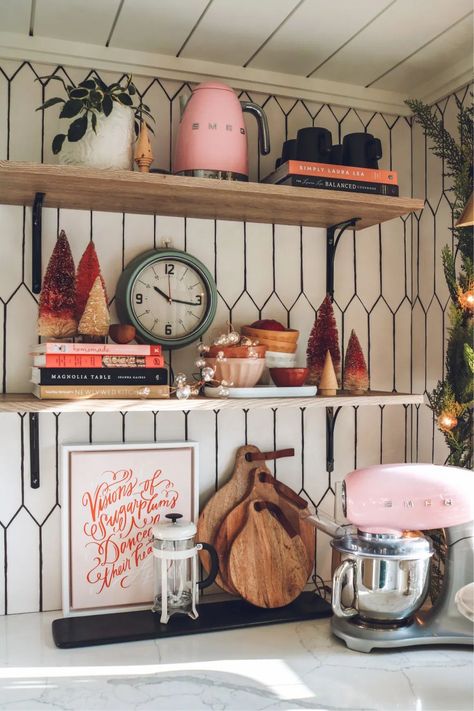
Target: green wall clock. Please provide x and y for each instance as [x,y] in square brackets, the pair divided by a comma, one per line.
[168,295]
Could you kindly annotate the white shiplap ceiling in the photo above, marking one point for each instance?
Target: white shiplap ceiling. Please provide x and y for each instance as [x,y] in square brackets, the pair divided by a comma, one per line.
[388,45]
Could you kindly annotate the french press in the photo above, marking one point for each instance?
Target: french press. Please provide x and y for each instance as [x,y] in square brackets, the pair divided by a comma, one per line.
[175,558]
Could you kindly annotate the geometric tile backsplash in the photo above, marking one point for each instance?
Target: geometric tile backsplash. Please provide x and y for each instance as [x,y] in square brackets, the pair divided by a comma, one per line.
[388,286]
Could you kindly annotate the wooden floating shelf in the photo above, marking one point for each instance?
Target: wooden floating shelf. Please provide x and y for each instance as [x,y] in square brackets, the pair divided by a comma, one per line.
[24,402]
[151,193]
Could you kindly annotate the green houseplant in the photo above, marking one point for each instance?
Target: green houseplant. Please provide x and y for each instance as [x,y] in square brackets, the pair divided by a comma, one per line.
[98,122]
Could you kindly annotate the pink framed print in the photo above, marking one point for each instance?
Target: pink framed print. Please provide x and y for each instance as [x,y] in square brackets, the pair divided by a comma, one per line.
[112,494]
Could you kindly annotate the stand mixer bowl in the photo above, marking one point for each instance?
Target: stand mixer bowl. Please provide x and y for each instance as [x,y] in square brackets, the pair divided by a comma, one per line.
[382,578]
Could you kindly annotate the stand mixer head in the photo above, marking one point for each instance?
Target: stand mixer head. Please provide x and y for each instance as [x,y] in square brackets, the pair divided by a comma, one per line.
[383,578]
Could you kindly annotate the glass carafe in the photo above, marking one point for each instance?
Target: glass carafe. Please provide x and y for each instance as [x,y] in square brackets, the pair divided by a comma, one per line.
[175,563]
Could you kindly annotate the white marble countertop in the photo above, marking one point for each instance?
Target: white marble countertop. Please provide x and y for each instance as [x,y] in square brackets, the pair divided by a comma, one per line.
[285,667]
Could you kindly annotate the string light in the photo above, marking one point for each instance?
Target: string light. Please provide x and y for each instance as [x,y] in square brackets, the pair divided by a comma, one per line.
[447,421]
[184,390]
[466,299]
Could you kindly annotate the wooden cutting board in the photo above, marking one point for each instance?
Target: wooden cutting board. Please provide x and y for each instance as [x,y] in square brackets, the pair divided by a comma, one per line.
[268,561]
[225,499]
[263,487]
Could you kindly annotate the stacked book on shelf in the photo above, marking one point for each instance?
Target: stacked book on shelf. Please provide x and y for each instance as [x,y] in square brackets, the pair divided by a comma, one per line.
[327,176]
[75,371]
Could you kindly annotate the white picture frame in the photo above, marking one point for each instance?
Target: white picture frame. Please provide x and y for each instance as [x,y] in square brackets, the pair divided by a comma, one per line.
[111,494]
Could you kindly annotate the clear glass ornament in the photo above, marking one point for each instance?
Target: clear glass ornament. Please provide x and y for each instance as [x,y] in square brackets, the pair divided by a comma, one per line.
[200,363]
[182,393]
[220,356]
[180,379]
[207,373]
[233,337]
[246,341]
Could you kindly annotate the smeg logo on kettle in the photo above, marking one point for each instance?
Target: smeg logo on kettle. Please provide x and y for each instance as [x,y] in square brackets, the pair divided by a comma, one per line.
[213,127]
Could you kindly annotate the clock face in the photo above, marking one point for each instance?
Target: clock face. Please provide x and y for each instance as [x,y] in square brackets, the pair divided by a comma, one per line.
[168,296]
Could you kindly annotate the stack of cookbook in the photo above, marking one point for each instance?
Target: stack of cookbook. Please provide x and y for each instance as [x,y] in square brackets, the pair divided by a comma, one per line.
[73,371]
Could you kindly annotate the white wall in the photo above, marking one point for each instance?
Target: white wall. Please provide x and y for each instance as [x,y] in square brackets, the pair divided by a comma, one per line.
[273,271]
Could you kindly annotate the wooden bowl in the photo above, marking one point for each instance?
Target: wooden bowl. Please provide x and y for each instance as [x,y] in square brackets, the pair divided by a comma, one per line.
[288,336]
[237,351]
[278,346]
[289,377]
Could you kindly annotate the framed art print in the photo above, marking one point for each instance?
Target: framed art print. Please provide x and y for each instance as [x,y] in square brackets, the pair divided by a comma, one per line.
[112,495]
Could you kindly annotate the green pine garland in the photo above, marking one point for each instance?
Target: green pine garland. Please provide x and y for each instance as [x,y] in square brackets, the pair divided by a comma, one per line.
[454,395]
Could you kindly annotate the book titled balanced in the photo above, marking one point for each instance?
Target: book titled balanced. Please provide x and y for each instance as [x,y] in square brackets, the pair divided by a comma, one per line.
[327,176]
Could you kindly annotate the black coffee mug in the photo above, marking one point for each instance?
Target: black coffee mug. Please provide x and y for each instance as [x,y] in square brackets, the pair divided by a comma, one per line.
[361,150]
[335,154]
[313,144]
[288,151]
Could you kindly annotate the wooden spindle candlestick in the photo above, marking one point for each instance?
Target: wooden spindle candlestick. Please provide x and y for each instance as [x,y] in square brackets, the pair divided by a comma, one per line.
[143,154]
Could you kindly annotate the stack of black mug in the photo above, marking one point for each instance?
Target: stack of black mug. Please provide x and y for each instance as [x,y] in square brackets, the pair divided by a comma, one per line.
[314,144]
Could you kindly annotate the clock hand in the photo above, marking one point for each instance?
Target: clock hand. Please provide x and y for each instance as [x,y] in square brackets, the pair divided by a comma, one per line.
[188,303]
[162,293]
[176,301]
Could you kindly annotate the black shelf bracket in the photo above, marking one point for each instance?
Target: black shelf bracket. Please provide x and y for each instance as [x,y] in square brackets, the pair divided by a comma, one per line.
[34,450]
[332,240]
[36,242]
[331,417]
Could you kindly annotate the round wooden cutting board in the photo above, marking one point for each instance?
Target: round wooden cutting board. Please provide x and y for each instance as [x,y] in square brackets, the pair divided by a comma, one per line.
[268,562]
[263,487]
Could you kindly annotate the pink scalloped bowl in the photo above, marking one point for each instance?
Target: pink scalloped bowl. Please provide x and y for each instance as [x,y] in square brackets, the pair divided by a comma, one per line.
[241,372]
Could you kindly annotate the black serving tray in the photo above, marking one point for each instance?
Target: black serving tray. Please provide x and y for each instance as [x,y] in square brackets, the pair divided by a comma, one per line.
[213,616]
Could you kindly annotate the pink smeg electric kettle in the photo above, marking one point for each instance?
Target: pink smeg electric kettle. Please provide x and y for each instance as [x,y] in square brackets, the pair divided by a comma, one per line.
[212,138]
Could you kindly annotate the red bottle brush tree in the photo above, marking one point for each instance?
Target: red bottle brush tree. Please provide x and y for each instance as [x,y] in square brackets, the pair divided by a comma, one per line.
[323,338]
[56,318]
[87,272]
[356,376]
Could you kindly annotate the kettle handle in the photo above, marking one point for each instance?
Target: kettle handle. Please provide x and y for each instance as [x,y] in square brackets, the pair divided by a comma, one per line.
[263,132]
[214,565]
[340,573]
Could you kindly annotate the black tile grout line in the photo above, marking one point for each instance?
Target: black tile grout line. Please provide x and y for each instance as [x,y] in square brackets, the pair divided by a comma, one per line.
[411,440]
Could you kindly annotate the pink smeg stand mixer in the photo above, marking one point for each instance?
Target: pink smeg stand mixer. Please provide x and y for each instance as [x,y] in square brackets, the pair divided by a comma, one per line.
[382,581]
[212,138]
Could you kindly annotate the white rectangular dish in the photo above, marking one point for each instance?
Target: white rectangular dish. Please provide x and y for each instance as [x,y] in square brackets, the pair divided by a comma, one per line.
[265,391]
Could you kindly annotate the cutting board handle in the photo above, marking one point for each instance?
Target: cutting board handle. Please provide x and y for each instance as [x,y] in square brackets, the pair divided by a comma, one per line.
[278,514]
[265,456]
[284,491]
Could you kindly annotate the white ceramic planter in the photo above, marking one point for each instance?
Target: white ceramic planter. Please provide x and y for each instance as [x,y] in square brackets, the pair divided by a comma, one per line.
[109,148]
